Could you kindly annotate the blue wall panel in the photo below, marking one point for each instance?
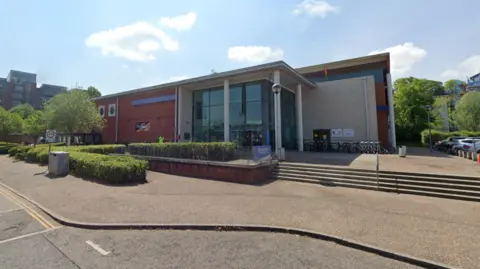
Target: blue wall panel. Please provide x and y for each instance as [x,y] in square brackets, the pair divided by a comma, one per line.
[157,99]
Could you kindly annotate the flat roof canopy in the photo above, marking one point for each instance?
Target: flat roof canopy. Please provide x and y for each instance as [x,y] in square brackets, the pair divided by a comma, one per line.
[237,75]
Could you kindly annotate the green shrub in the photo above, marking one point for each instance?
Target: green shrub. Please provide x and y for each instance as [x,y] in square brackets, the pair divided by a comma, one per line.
[98,165]
[437,135]
[109,169]
[101,149]
[213,151]
[5,147]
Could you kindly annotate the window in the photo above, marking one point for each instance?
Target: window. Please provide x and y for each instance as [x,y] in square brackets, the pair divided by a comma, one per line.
[216,116]
[253,92]
[236,94]
[216,97]
[237,116]
[254,113]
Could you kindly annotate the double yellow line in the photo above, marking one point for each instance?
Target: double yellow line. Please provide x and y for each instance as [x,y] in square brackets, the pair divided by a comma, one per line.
[45,223]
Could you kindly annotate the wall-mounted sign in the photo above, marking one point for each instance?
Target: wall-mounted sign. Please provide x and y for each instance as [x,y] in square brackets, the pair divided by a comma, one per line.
[152,100]
[336,133]
[348,133]
[143,126]
[261,152]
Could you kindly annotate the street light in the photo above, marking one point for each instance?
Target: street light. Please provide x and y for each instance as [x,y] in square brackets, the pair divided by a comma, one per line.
[428,108]
[276,88]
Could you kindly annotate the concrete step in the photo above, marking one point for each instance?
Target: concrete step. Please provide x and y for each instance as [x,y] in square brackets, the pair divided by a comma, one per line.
[400,188]
[354,170]
[450,183]
[421,186]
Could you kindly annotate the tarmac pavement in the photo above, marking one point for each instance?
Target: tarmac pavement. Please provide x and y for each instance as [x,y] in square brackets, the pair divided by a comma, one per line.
[441,230]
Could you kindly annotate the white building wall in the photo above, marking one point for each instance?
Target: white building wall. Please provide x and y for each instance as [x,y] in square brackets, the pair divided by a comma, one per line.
[185,113]
[340,104]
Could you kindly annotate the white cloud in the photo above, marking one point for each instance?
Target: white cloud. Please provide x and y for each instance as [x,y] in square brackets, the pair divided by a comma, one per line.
[403,57]
[466,68]
[315,8]
[180,23]
[254,54]
[134,42]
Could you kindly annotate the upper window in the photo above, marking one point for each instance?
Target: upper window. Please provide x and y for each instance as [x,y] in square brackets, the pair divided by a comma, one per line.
[253,92]
[236,94]
[216,97]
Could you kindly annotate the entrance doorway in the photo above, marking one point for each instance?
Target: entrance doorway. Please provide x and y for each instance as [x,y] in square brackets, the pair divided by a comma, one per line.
[248,137]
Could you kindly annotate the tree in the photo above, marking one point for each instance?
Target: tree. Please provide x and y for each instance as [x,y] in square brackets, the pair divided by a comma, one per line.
[35,125]
[93,92]
[9,122]
[467,112]
[71,112]
[24,110]
[411,97]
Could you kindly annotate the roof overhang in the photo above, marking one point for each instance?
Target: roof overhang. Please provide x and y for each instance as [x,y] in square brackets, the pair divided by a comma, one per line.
[382,57]
[279,65]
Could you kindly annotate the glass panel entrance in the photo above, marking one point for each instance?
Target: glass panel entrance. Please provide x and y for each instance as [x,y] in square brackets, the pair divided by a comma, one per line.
[248,137]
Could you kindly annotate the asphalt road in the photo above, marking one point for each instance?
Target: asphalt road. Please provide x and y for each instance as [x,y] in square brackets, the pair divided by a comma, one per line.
[29,239]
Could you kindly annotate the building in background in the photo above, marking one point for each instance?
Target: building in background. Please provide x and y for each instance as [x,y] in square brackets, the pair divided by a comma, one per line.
[21,88]
[473,83]
[348,100]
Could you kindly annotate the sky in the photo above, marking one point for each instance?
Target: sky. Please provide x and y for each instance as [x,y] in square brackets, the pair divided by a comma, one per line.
[122,45]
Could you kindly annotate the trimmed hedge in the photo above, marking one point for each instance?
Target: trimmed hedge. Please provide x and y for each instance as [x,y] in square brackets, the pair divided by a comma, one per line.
[212,151]
[437,135]
[108,169]
[5,147]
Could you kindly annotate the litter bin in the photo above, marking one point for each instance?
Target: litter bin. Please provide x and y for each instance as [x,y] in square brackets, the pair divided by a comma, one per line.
[402,151]
[58,163]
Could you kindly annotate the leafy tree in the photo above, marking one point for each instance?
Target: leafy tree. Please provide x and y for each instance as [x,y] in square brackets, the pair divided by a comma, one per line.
[467,112]
[35,125]
[9,122]
[24,110]
[93,92]
[411,97]
[71,112]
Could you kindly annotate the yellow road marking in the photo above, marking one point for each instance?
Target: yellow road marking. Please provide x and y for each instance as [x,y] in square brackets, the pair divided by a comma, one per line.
[45,223]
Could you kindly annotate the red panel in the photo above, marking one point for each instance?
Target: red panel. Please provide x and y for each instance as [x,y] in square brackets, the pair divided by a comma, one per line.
[382,123]
[161,117]
[108,132]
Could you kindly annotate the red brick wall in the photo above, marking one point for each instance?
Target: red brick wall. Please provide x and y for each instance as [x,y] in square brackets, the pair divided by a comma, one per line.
[382,116]
[160,115]
[108,132]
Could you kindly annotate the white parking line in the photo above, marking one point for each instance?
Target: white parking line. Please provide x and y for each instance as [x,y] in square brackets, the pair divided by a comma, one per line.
[11,210]
[97,248]
[28,235]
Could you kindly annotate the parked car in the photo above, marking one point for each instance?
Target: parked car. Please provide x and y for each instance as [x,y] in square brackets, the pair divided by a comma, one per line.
[446,145]
[467,144]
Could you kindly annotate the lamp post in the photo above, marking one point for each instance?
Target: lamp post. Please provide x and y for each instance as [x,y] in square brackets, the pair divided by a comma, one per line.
[276,88]
[428,108]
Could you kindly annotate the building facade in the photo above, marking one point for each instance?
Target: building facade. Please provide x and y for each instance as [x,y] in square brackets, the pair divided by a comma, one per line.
[21,88]
[352,99]
[473,83]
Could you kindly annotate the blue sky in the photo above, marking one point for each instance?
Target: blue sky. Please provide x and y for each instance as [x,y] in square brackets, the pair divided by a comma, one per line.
[121,45]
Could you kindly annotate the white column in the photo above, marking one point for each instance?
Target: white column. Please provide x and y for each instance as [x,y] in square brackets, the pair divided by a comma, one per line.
[175,131]
[226,110]
[277,116]
[298,107]
[391,112]
[179,116]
